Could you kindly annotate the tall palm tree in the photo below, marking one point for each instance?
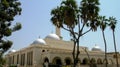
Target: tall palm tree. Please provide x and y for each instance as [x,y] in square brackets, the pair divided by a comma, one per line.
[103,24]
[65,16]
[69,17]
[112,25]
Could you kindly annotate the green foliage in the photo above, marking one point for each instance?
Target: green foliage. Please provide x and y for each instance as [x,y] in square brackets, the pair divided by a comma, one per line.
[112,23]
[103,22]
[8,10]
[18,26]
[89,9]
[84,18]
[89,12]
[69,14]
[65,14]
[6,45]
[112,26]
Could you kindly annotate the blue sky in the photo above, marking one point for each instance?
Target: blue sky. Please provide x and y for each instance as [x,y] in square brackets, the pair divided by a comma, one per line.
[35,20]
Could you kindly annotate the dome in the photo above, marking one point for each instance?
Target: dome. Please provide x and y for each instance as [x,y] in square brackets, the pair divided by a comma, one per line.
[11,51]
[39,41]
[53,36]
[96,48]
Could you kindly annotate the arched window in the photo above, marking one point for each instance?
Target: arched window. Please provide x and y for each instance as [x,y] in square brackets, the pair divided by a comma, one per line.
[93,60]
[57,61]
[46,60]
[110,61]
[99,61]
[68,61]
[85,61]
[105,61]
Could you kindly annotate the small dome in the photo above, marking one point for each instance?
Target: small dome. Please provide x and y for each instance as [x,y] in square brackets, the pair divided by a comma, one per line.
[11,51]
[39,41]
[53,36]
[96,48]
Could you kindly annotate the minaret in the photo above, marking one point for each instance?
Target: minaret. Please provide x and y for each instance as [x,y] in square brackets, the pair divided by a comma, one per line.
[58,31]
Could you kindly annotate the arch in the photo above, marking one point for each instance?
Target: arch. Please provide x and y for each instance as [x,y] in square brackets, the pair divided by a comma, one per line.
[92,60]
[79,60]
[85,61]
[105,61]
[99,61]
[46,59]
[110,61]
[57,61]
[68,60]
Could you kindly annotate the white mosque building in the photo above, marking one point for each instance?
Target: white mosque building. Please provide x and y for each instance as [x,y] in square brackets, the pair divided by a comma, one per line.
[54,50]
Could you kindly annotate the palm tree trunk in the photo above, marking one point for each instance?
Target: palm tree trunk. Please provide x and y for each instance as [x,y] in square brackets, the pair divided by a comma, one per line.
[74,54]
[105,48]
[115,49]
[87,55]
[78,52]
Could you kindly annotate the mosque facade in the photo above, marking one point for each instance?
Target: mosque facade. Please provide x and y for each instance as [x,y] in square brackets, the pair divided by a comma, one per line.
[55,51]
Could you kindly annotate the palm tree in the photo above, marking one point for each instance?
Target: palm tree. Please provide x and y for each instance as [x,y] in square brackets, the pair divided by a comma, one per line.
[112,25]
[70,17]
[103,23]
[65,16]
